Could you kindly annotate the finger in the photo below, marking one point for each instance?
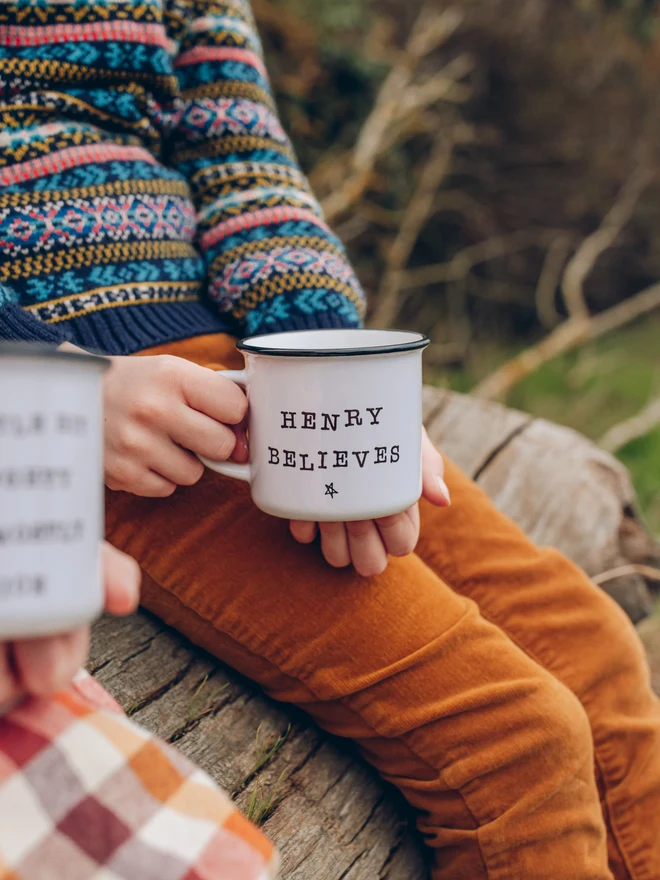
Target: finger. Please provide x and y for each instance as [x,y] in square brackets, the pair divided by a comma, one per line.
[434,488]
[124,475]
[45,666]
[399,534]
[176,465]
[122,581]
[413,516]
[303,532]
[195,431]
[151,485]
[366,547]
[334,544]
[241,451]
[213,395]
[9,687]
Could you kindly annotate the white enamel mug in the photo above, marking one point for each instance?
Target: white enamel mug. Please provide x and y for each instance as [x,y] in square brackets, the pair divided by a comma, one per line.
[334,425]
[51,490]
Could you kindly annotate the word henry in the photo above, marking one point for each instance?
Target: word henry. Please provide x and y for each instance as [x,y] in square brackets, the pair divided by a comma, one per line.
[335,458]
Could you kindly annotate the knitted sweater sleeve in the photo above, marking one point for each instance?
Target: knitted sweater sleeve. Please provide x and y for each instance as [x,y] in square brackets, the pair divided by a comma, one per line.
[273,263]
[18,325]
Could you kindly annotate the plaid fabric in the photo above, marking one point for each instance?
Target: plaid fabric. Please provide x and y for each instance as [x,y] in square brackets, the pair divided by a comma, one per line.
[85,794]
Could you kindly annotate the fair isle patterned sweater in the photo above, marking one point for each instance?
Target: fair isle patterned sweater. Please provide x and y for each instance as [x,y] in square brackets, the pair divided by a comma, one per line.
[147,190]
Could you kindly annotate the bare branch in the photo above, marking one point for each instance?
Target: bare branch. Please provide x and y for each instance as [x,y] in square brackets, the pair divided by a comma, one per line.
[348,194]
[351,228]
[429,32]
[460,202]
[643,423]
[646,571]
[581,265]
[465,260]
[442,86]
[415,217]
[432,30]
[625,312]
[549,279]
[379,216]
[568,335]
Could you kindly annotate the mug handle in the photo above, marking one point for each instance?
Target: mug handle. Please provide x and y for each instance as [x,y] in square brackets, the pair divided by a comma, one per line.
[231,468]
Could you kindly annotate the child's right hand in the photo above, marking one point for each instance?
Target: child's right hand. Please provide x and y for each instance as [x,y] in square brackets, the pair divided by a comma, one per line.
[156,409]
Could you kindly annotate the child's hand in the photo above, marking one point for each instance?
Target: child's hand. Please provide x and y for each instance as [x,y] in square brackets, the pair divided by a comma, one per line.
[158,408]
[366,545]
[41,667]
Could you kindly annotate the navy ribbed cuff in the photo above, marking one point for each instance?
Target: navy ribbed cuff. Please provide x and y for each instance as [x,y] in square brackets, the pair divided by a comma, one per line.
[17,325]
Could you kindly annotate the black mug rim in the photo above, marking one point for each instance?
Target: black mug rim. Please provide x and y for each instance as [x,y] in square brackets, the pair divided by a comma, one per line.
[419,343]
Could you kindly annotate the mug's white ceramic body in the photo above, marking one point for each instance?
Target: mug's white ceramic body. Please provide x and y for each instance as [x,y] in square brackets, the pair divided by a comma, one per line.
[335,423]
[51,490]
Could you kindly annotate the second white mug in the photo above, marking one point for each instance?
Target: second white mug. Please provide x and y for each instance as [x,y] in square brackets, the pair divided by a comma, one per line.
[51,490]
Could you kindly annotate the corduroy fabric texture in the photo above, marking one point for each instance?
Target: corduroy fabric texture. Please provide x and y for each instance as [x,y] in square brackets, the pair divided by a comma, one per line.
[149,192]
[503,693]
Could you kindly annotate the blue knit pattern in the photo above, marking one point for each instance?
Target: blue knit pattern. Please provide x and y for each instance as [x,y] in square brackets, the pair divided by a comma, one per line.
[148,191]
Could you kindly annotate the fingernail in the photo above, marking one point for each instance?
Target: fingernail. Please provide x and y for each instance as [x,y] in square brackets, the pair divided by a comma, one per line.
[445,490]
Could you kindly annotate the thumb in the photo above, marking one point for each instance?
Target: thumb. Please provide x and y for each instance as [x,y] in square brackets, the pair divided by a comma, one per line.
[122,581]
[434,488]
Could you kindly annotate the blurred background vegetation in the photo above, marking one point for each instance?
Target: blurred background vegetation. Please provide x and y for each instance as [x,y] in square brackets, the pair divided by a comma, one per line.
[492,167]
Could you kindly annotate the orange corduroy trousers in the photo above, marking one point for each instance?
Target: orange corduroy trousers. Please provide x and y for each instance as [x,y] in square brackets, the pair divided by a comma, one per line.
[501,691]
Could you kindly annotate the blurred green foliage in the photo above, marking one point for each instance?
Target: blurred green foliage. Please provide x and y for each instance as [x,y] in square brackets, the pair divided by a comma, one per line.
[592,389]
[333,17]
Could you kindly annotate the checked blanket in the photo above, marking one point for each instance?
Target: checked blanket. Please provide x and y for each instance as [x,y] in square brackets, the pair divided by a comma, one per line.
[85,794]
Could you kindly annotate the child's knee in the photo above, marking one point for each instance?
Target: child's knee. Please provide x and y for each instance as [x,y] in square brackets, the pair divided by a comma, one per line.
[543,771]
[545,811]
[541,752]
[530,745]
[527,780]
[568,739]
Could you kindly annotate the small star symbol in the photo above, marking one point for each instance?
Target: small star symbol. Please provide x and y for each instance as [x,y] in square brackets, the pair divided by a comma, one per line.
[331,491]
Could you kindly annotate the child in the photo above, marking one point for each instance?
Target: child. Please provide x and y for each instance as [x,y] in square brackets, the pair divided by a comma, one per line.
[152,205]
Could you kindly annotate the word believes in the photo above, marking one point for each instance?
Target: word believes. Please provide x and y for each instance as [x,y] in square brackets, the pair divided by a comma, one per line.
[336,458]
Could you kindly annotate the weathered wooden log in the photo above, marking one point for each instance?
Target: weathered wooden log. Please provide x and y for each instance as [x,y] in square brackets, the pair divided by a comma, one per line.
[560,488]
[329,814]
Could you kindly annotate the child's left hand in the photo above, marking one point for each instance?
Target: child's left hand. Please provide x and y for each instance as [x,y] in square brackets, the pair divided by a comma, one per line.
[366,545]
